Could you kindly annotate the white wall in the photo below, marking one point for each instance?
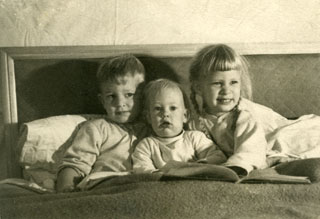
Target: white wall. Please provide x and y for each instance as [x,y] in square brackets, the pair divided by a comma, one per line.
[118,22]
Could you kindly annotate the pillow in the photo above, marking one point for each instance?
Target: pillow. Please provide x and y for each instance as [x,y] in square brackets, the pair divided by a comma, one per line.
[42,143]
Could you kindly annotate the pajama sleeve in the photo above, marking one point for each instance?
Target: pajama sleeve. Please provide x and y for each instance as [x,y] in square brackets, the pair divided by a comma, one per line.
[250,145]
[85,148]
[142,157]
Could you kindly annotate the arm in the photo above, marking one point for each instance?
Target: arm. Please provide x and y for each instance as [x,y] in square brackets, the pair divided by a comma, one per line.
[206,150]
[67,180]
[250,145]
[142,158]
[79,157]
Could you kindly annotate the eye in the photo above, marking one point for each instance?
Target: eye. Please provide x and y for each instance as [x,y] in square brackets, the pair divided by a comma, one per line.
[157,108]
[234,82]
[109,97]
[173,108]
[128,95]
[217,84]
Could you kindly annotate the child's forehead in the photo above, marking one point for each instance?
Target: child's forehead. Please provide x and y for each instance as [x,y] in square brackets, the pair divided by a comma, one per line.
[173,94]
[224,74]
[128,78]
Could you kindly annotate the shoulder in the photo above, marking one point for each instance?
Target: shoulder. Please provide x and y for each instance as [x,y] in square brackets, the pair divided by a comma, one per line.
[255,108]
[146,143]
[269,119]
[200,123]
[100,123]
[148,139]
[106,127]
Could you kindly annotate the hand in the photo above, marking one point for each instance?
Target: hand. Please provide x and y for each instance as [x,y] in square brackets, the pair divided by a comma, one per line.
[202,161]
[67,180]
[272,161]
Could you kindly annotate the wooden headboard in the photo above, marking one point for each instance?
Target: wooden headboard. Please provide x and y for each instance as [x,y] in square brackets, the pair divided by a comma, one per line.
[38,82]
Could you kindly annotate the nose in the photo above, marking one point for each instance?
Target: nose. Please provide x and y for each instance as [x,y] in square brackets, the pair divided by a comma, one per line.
[120,101]
[165,113]
[226,88]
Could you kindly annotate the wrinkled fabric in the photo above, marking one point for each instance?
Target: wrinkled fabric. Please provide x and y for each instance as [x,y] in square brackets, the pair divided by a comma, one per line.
[101,145]
[252,132]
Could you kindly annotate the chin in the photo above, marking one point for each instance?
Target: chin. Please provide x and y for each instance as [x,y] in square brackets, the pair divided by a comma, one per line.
[121,120]
[167,135]
[227,108]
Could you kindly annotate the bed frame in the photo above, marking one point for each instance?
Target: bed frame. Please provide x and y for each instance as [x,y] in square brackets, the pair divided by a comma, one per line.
[34,79]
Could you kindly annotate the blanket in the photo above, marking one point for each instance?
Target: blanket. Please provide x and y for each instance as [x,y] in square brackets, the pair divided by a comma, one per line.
[140,196]
[149,196]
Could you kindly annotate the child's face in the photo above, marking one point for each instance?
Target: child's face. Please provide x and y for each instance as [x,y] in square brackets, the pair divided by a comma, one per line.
[121,99]
[167,113]
[220,91]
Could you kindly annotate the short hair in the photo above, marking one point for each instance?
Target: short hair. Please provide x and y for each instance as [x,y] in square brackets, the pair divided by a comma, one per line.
[118,66]
[155,87]
[219,57]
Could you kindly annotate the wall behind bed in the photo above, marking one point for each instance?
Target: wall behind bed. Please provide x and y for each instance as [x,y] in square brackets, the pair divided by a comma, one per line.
[123,22]
[26,23]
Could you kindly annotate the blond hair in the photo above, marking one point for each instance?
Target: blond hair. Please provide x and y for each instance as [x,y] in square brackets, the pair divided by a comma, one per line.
[218,57]
[118,66]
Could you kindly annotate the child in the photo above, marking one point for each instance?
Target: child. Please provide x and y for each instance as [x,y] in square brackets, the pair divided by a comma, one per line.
[106,144]
[166,111]
[248,133]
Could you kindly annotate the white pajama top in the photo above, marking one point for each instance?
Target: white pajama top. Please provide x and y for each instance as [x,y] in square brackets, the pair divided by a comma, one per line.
[152,153]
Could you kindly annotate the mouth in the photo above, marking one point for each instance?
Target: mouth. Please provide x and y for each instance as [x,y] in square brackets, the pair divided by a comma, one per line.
[225,100]
[165,124]
[121,113]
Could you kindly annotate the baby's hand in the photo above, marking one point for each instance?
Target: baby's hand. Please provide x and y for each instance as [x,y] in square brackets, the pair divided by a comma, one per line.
[272,161]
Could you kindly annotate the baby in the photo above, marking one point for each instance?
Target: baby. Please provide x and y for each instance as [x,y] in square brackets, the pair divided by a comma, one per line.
[166,110]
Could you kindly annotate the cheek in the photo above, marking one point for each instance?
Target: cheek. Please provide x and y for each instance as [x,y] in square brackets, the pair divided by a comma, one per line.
[211,90]
[211,94]
[237,90]
[152,117]
[108,108]
[154,122]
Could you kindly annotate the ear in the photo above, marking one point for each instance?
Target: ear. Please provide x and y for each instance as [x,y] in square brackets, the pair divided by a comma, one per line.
[100,99]
[196,88]
[186,116]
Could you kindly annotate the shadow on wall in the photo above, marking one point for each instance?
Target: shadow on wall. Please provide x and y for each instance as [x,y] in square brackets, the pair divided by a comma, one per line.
[64,87]
[156,68]
[54,87]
